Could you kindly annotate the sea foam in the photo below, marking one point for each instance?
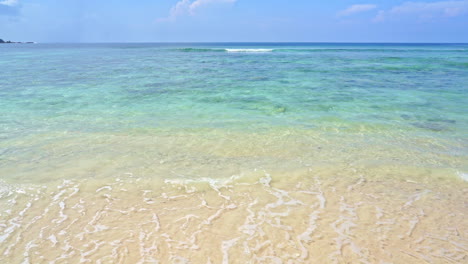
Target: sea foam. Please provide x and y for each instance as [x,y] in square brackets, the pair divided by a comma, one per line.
[463,176]
[249,50]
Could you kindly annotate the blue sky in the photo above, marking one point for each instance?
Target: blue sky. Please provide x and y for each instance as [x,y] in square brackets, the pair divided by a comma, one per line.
[234,20]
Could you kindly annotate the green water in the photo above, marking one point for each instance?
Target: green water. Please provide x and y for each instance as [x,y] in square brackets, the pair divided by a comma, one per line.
[394,91]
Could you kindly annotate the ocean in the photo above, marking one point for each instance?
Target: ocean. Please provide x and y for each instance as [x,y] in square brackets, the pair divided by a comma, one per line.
[233,153]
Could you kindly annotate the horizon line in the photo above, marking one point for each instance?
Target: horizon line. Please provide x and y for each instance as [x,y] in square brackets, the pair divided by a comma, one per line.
[241,42]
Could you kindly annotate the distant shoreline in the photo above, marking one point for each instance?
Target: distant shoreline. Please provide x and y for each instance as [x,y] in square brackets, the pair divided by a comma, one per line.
[13,42]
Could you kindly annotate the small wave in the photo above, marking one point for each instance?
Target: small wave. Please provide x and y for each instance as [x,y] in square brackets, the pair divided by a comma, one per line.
[307,50]
[249,50]
[463,176]
[199,50]
[390,50]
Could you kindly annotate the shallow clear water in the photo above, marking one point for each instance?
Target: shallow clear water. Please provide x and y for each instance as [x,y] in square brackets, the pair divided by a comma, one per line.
[262,124]
[116,87]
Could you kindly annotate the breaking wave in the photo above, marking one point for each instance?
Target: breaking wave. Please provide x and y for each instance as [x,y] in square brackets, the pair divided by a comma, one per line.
[249,50]
[313,50]
[223,50]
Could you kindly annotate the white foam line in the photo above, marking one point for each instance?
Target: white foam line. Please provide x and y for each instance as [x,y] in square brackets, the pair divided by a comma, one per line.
[386,222]
[63,231]
[225,246]
[104,188]
[265,181]
[61,204]
[249,50]
[92,223]
[15,223]
[204,204]
[214,187]
[97,245]
[250,227]
[322,200]
[62,216]
[414,198]
[6,190]
[413,224]
[64,184]
[214,184]
[463,176]
[359,182]
[193,240]
[312,226]
[28,248]
[187,219]
[155,220]
[218,214]
[35,219]
[57,196]
[260,246]
[281,194]
[53,239]
[184,245]
[306,235]
[146,253]
[278,221]
[343,226]
[7,231]
[116,244]
[165,196]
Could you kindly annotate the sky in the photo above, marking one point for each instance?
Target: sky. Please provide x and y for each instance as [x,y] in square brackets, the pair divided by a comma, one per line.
[234,20]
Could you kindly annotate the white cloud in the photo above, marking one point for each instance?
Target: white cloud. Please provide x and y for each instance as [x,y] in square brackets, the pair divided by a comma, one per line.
[184,7]
[199,3]
[356,9]
[424,10]
[9,2]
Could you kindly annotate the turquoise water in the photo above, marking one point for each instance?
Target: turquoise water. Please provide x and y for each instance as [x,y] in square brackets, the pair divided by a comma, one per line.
[233,153]
[396,92]
[414,90]
[110,87]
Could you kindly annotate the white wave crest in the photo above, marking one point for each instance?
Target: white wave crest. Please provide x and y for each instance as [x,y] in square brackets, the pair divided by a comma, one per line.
[463,176]
[249,50]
